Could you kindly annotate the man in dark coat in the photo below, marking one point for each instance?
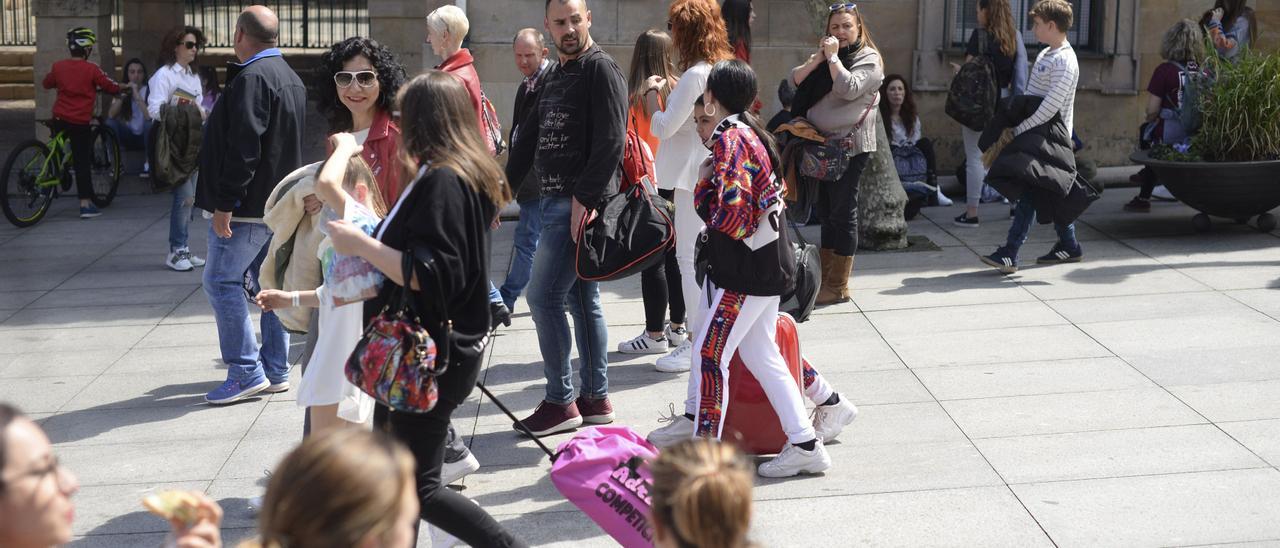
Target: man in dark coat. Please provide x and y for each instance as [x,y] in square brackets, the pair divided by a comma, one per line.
[252,140]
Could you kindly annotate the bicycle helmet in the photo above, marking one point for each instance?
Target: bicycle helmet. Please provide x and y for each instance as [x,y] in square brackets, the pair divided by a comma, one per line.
[81,37]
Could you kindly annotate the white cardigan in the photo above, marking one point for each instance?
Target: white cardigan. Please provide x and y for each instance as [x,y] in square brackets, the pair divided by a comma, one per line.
[681,152]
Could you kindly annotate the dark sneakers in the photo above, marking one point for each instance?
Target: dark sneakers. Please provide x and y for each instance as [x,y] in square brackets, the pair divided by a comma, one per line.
[964,220]
[551,418]
[1060,254]
[499,314]
[1138,205]
[595,411]
[1002,260]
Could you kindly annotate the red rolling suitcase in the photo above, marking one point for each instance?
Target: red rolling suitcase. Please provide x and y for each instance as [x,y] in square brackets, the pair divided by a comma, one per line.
[750,420]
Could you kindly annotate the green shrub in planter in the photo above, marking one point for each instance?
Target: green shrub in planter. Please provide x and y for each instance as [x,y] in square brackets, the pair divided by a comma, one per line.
[1241,111]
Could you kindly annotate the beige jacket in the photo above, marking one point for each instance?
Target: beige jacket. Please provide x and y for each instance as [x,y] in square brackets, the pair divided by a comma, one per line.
[853,93]
[291,263]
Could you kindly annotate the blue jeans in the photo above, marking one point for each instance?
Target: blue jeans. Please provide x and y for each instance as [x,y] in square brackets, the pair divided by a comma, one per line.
[230,259]
[130,140]
[554,286]
[184,196]
[527,231]
[1024,213]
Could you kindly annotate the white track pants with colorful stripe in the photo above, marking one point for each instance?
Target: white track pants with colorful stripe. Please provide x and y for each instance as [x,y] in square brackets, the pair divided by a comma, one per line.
[746,324]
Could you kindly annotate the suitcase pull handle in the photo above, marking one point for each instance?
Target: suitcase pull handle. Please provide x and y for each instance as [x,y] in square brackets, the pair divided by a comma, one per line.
[550,454]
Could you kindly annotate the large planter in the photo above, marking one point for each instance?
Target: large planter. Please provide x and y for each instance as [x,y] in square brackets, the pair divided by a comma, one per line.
[1235,190]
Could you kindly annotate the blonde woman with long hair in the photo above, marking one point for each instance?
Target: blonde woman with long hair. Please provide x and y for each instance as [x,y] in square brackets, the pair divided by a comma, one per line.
[701,496]
[997,38]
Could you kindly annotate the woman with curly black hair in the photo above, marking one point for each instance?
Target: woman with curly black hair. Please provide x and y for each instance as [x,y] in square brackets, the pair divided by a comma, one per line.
[358,79]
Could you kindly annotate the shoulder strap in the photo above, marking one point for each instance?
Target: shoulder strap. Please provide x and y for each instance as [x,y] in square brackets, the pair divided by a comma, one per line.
[428,276]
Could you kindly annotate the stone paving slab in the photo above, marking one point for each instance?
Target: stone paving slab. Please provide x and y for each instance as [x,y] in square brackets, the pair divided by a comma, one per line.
[1126,400]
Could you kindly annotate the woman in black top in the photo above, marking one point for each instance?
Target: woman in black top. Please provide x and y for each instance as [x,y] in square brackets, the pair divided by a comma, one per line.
[1003,45]
[448,209]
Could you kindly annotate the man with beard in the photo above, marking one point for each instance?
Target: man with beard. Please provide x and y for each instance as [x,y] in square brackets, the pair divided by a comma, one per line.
[573,141]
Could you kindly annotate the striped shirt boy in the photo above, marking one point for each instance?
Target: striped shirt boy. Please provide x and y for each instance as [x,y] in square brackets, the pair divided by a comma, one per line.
[1054,77]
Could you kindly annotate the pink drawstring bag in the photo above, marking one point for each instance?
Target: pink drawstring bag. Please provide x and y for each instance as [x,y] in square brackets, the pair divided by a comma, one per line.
[604,472]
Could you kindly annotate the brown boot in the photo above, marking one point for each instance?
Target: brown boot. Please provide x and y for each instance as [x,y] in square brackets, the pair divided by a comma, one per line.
[835,278]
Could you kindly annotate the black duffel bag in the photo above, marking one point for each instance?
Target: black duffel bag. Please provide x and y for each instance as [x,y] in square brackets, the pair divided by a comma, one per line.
[632,232]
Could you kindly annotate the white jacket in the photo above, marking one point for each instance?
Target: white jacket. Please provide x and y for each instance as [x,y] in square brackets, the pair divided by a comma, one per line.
[291,263]
[681,151]
[168,79]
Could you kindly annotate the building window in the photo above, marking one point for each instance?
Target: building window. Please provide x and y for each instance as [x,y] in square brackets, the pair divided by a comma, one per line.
[963,18]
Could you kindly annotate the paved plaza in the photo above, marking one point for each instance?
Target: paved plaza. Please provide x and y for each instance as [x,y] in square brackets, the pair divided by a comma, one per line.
[1132,399]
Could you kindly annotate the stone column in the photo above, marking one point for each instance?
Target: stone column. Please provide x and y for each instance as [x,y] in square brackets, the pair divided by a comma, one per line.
[402,26]
[882,221]
[53,19]
[145,23]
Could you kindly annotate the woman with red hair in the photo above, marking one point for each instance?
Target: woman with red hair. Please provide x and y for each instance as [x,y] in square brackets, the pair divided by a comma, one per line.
[701,41]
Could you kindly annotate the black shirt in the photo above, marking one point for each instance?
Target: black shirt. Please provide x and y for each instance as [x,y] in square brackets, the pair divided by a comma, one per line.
[441,212]
[1002,63]
[576,144]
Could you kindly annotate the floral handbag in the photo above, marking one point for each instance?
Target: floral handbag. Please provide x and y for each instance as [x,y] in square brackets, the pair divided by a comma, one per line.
[829,160]
[397,360]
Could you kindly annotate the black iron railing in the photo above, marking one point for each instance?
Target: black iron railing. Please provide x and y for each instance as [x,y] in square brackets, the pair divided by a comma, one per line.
[303,24]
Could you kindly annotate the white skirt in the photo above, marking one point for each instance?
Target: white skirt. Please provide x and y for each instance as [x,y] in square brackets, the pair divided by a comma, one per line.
[325,381]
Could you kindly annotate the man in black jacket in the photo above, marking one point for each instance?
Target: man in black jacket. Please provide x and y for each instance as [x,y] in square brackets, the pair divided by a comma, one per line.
[573,140]
[252,140]
[531,59]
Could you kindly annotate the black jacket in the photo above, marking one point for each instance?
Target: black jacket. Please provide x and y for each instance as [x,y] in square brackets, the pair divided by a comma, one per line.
[443,213]
[580,126]
[527,188]
[253,138]
[1040,164]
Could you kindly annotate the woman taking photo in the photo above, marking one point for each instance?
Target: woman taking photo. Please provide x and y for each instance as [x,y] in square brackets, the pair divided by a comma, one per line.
[128,116]
[838,92]
[174,83]
[653,57]
[357,82]
[701,40]
[448,208]
[998,39]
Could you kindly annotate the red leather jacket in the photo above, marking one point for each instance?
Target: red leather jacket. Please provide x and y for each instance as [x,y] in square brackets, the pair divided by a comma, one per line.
[462,65]
[382,153]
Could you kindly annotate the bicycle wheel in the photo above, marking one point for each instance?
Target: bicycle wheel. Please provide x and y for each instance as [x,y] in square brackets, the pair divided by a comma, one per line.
[24,200]
[106,166]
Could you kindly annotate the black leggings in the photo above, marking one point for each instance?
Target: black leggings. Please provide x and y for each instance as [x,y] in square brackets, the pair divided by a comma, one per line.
[660,285]
[930,157]
[81,137]
[426,436]
[838,207]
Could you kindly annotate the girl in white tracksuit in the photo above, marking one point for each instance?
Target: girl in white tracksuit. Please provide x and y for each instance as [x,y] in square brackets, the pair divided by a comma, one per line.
[750,263]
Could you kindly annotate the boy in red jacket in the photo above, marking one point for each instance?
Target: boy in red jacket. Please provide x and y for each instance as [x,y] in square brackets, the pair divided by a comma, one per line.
[78,81]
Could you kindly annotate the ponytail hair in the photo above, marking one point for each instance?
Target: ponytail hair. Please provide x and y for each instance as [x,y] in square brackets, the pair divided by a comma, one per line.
[702,494]
[733,84]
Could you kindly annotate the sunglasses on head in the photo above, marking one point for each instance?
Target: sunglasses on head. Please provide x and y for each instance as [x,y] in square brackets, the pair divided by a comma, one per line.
[844,5]
[191,45]
[366,78]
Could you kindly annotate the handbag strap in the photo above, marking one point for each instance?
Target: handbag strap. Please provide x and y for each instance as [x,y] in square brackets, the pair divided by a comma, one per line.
[867,110]
[408,258]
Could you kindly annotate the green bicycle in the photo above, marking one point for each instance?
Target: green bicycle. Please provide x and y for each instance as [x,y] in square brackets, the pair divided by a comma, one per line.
[35,173]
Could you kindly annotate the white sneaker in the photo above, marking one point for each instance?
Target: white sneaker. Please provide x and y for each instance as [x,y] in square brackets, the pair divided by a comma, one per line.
[943,200]
[794,461]
[454,471]
[195,261]
[829,420]
[1162,193]
[179,261]
[677,361]
[643,344]
[678,429]
[675,336]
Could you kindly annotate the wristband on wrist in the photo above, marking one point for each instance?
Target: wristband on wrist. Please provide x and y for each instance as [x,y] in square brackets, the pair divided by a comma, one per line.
[294,297]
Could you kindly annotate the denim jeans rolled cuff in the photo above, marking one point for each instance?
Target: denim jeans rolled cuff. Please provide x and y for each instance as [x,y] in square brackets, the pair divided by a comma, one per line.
[553,287]
[180,212]
[224,278]
[528,229]
[1024,215]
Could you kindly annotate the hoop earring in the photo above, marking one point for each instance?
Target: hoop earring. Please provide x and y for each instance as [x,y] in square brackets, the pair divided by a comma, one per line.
[711,113]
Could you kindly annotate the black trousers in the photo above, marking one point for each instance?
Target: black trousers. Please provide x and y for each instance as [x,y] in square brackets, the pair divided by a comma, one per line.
[426,435]
[659,284]
[930,157]
[81,137]
[838,207]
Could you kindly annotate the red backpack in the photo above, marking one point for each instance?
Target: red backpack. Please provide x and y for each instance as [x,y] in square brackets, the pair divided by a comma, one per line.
[637,162]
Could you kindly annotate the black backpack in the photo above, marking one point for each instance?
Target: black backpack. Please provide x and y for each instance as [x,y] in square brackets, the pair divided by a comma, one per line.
[972,97]
[799,302]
